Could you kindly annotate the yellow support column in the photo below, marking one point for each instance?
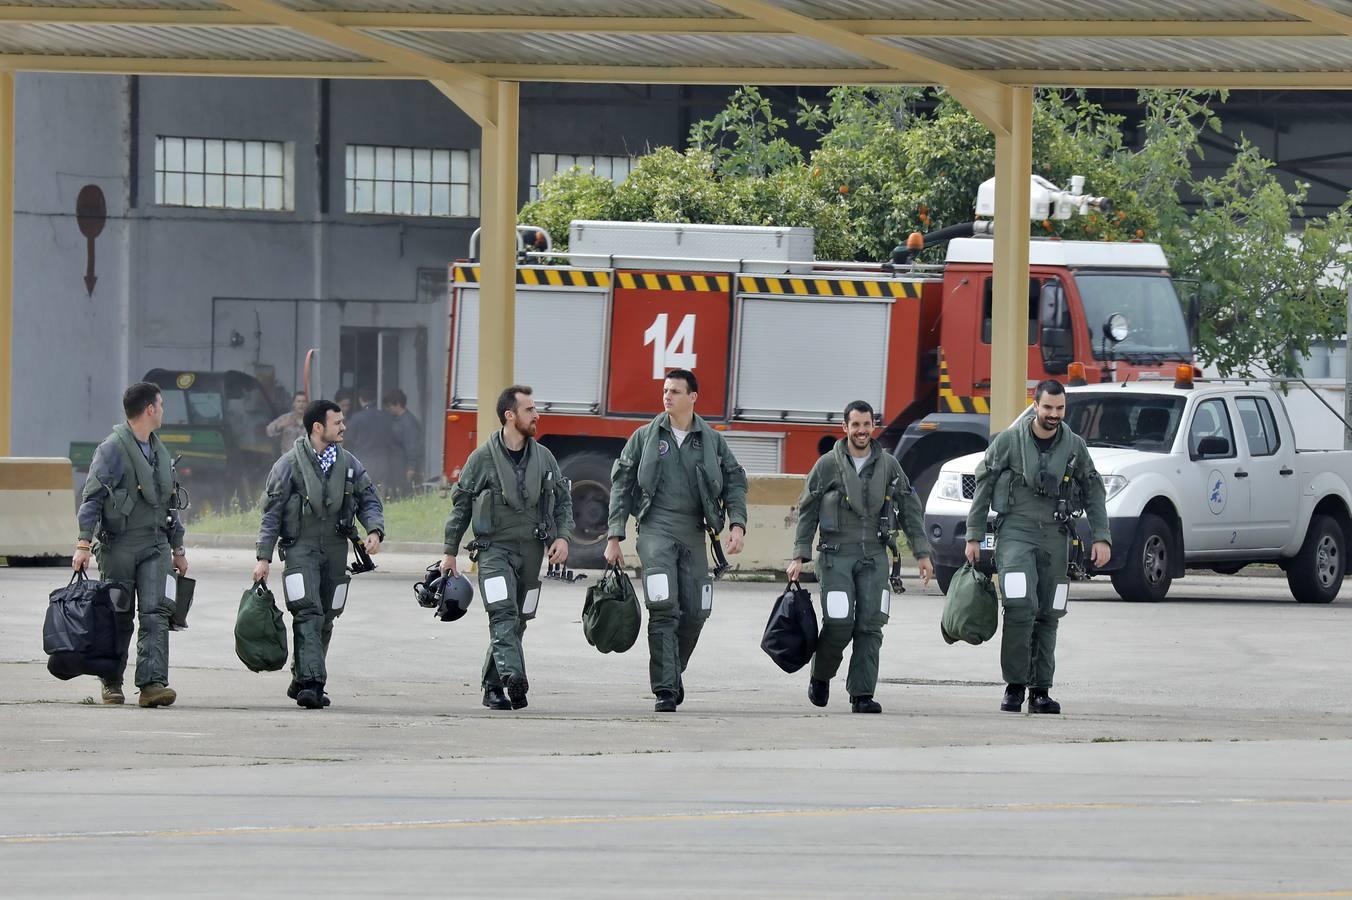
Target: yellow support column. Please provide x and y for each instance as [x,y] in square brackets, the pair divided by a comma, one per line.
[497,256]
[6,260]
[1009,307]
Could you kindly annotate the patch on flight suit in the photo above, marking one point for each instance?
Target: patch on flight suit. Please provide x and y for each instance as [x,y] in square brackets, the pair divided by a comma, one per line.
[1016,585]
[837,605]
[495,590]
[294,585]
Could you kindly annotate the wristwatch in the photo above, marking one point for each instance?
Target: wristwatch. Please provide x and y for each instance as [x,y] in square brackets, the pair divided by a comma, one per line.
[179,551]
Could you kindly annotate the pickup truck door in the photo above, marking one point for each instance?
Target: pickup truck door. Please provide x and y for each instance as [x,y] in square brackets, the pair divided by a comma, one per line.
[1218,499]
[1273,483]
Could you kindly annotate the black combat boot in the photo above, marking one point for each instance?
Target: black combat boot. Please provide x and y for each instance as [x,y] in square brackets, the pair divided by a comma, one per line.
[865,704]
[294,689]
[680,690]
[516,691]
[818,691]
[666,702]
[494,698]
[1039,702]
[1013,698]
[310,695]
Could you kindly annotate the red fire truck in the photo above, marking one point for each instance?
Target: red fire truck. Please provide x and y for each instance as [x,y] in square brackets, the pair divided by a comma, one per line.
[781,342]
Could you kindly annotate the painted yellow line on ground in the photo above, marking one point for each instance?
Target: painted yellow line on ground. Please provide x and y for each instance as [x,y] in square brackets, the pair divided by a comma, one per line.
[716,815]
[1245,896]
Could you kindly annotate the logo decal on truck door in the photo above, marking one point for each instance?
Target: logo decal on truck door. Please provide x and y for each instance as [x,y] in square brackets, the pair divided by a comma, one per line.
[1216,492]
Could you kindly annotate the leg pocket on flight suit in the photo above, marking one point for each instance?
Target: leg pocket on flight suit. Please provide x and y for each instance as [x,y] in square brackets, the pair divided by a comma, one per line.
[1014,589]
[884,607]
[1060,600]
[169,596]
[658,593]
[706,599]
[530,603]
[338,599]
[299,592]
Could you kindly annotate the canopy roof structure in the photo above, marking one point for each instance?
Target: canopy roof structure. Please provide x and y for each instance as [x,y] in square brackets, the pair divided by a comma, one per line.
[1177,43]
[987,53]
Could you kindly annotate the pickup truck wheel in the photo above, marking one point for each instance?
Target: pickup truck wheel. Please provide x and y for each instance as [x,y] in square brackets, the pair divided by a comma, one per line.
[1144,576]
[1316,574]
[590,475]
[943,575]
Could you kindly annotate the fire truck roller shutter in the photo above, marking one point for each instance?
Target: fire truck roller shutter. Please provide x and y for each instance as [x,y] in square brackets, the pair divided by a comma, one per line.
[810,356]
[560,346]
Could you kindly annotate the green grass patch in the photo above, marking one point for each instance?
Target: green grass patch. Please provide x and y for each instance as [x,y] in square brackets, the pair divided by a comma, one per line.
[419,519]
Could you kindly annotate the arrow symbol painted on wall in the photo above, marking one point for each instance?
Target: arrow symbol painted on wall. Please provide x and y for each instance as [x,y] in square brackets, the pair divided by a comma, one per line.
[91,213]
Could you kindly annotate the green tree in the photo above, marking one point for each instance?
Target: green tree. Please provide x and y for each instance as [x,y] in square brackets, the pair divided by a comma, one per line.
[894,160]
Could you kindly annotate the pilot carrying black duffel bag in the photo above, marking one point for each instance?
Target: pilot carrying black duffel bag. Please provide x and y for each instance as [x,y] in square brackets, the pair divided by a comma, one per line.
[80,631]
[790,636]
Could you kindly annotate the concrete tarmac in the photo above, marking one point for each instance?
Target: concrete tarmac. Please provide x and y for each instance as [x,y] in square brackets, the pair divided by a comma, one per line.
[1204,751]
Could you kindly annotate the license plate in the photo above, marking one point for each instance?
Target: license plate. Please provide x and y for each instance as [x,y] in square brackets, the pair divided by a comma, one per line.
[988,542]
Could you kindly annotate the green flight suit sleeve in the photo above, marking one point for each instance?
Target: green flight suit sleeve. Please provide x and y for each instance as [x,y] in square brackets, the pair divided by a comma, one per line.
[809,506]
[176,530]
[105,471]
[1095,497]
[462,503]
[563,503]
[987,471]
[622,476]
[275,494]
[370,510]
[734,485]
[911,517]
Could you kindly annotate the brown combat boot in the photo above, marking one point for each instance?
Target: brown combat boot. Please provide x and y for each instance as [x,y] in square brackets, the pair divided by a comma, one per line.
[112,693]
[156,694]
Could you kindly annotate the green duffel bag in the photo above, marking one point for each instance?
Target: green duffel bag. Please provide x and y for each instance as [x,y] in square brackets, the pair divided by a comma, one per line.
[971,608]
[260,633]
[612,614]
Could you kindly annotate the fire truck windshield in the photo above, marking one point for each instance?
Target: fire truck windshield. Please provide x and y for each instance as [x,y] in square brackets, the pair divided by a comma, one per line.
[1156,331]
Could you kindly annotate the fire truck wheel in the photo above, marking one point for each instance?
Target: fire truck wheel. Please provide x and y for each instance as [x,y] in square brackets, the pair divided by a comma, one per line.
[924,481]
[590,475]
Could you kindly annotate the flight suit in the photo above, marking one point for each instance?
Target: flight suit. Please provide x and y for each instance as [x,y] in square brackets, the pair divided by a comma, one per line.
[516,511]
[311,514]
[1025,486]
[855,511]
[128,504]
[678,494]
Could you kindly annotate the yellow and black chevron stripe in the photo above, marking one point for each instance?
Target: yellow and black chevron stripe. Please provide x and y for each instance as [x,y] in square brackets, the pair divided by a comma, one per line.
[666,281]
[827,287]
[543,277]
[950,402]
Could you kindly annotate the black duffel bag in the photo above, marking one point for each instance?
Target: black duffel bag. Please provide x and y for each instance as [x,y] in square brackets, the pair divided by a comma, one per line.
[612,615]
[80,631]
[790,636]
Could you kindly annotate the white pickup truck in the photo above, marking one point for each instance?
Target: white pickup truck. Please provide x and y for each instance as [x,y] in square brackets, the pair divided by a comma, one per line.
[1198,475]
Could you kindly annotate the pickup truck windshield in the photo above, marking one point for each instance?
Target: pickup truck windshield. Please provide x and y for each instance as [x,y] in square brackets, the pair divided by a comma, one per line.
[1156,331]
[1137,421]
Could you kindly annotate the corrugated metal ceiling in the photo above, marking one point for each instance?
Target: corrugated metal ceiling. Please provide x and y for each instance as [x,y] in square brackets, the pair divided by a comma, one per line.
[1244,38]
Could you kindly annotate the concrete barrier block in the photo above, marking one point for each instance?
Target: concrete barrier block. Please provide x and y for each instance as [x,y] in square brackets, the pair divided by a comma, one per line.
[37,507]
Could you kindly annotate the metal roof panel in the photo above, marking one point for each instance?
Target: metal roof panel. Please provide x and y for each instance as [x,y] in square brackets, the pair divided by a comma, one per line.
[626,49]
